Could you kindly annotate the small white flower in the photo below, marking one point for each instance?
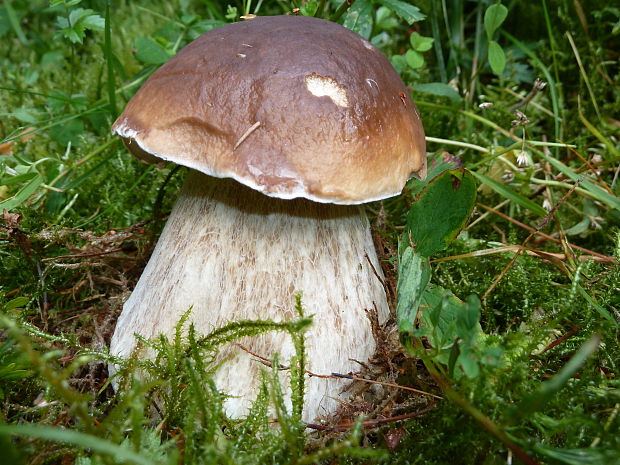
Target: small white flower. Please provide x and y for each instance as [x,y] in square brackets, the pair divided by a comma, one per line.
[484,105]
[539,84]
[522,119]
[523,158]
[508,176]
[596,222]
[595,160]
[547,205]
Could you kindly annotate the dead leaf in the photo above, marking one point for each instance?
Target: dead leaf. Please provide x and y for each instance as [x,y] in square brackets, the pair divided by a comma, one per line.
[7,147]
[11,220]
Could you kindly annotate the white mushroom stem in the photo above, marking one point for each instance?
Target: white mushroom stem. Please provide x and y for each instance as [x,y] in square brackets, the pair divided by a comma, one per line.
[232,254]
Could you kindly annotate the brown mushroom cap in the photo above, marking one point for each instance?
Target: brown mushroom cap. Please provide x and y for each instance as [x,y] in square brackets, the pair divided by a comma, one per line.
[291,106]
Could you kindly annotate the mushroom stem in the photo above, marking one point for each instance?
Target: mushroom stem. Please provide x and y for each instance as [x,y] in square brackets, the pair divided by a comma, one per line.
[232,253]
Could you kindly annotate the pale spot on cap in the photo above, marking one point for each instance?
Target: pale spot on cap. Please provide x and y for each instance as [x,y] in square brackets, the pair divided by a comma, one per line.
[324,86]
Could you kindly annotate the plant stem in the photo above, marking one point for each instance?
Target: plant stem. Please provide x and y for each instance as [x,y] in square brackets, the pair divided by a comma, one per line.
[341,10]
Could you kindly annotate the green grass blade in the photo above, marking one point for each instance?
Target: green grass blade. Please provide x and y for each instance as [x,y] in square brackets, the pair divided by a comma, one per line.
[107,49]
[555,98]
[23,194]
[14,22]
[595,191]
[584,75]
[77,439]
[508,193]
[596,133]
[548,389]
[601,310]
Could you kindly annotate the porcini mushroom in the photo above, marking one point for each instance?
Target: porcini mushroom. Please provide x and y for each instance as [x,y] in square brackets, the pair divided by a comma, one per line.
[308,120]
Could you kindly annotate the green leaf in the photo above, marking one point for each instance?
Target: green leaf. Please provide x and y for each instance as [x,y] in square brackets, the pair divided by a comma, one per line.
[16,303]
[585,456]
[5,24]
[595,191]
[436,164]
[497,58]
[17,179]
[440,313]
[468,319]
[413,276]
[150,52]
[23,194]
[440,89]
[79,21]
[408,12]
[65,3]
[94,22]
[359,18]
[14,21]
[384,18]
[508,193]
[421,43]
[85,441]
[548,389]
[441,210]
[63,134]
[414,59]
[601,310]
[468,363]
[26,115]
[309,8]
[493,18]
[231,13]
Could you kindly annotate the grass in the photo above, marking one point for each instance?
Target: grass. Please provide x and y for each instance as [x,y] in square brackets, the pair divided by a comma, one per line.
[526,369]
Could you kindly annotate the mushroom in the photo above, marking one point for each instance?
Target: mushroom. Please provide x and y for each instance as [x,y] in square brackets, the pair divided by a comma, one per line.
[288,123]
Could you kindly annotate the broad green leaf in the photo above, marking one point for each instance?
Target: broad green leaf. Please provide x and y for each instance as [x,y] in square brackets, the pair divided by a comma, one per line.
[508,193]
[408,12]
[309,8]
[150,52]
[67,132]
[421,43]
[579,227]
[497,58]
[493,18]
[94,22]
[414,59]
[452,327]
[440,89]
[441,210]
[436,164]
[384,18]
[26,115]
[79,21]
[468,319]
[16,303]
[23,194]
[414,274]
[359,18]
[469,364]
[439,314]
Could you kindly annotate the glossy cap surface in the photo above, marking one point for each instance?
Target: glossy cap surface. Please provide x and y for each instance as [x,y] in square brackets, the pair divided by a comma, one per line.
[291,106]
